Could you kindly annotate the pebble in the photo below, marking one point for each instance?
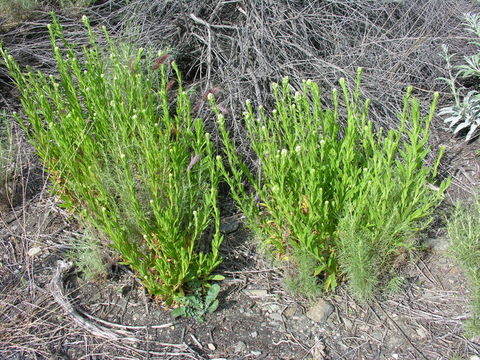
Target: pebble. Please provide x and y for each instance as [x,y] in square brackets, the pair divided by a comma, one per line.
[276,316]
[211,346]
[348,323]
[320,311]
[255,353]
[229,227]
[271,308]
[421,333]
[254,334]
[256,292]
[34,251]
[292,310]
[240,347]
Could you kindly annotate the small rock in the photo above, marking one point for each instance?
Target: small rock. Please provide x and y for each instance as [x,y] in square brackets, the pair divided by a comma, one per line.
[256,292]
[422,333]
[255,353]
[34,251]
[254,334]
[348,323]
[276,316]
[240,347]
[211,347]
[474,357]
[271,308]
[229,227]
[292,310]
[320,311]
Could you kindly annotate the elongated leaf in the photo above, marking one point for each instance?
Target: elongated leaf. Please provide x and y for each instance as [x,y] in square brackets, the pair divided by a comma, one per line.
[213,306]
[180,311]
[472,132]
[453,120]
[462,126]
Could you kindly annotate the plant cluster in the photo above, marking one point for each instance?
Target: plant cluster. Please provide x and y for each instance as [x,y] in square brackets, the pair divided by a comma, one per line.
[464,232]
[349,197]
[464,114]
[125,159]
[126,156]
[199,303]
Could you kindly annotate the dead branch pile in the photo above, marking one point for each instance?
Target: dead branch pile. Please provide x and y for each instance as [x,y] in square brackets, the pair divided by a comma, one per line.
[241,46]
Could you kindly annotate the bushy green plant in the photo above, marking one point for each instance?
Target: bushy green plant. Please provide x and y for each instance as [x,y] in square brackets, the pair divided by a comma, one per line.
[464,114]
[126,157]
[464,232]
[347,197]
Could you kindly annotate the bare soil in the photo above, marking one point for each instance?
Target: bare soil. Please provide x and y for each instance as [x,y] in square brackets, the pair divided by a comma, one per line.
[46,316]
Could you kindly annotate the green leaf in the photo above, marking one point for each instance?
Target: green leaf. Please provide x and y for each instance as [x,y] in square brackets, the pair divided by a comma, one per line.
[213,306]
[212,293]
[180,311]
[216,277]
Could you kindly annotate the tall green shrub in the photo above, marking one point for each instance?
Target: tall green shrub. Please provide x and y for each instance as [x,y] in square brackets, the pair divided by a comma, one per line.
[347,197]
[126,156]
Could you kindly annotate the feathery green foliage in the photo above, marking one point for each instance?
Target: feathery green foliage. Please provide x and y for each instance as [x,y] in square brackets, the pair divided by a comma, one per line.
[464,232]
[126,157]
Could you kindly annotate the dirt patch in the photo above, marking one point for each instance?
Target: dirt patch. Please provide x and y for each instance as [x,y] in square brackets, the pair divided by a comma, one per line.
[257,319]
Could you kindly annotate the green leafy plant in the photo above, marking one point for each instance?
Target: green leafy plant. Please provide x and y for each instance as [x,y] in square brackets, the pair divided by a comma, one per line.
[464,114]
[126,157]
[349,198]
[198,304]
[464,231]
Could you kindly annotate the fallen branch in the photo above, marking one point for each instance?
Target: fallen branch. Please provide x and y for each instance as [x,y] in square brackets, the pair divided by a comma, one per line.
[57,287]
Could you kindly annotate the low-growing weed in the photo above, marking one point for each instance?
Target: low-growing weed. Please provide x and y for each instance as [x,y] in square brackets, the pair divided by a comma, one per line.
[300,279]
[464,231]
[87,255]
[126,157]
[199,303]
[349,197]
